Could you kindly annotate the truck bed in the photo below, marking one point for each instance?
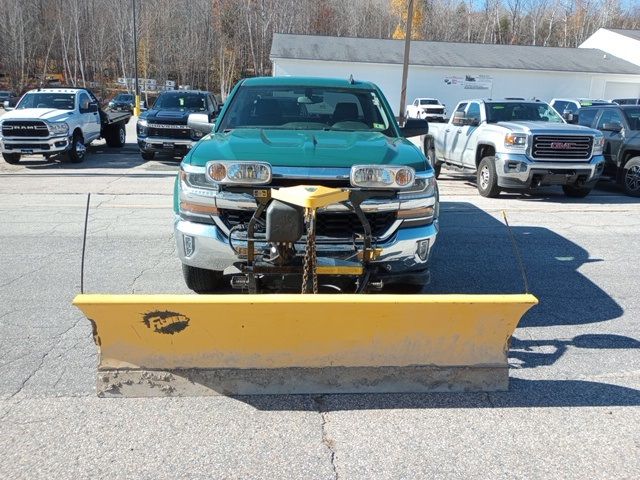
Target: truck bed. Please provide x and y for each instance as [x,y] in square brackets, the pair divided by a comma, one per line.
[111,117]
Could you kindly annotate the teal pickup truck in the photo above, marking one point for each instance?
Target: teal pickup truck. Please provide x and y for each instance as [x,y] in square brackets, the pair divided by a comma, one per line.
[277,132]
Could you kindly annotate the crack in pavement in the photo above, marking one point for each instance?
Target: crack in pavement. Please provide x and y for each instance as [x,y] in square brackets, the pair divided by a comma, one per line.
[326,440]
[164,256]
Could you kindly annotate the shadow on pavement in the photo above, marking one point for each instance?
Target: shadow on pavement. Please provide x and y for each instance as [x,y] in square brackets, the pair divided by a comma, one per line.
[523,393]
[539,353]
[474,254]
[606,191]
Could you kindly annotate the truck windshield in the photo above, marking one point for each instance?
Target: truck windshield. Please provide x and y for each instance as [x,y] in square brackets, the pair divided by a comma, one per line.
[307,108]
[181,101]
[59,101]
[518,112]
[428,102]
[633,117]
[124,97]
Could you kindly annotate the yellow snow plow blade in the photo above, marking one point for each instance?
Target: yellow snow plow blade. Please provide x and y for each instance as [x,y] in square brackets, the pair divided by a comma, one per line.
[156,345]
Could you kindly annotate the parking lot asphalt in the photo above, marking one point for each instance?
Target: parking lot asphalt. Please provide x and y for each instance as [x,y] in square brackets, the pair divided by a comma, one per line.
[572,410]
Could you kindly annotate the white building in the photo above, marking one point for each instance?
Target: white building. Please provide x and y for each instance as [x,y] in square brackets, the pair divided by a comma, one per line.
[624,44]
[453,72]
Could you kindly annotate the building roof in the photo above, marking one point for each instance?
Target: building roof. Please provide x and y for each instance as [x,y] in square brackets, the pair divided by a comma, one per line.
[448,54]
[635,34]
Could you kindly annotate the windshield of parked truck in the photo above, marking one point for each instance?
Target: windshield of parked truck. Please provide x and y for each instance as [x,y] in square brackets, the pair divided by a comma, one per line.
[633,117]
[307,108]
[124,97]
[59,101]
[428,102]
[192,102]
[518,112]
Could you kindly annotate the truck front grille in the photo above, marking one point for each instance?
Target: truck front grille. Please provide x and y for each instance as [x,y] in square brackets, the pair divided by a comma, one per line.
[169,131]
[562,147]
[330,224]
[24,128]
[27,146]
[434,110]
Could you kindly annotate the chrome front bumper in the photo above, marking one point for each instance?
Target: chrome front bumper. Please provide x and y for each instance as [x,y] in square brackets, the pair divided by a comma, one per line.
[159,144]
[211,248]
[40,145]
[519,171]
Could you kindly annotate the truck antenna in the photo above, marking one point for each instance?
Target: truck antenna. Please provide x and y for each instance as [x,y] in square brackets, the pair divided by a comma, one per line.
[84,243]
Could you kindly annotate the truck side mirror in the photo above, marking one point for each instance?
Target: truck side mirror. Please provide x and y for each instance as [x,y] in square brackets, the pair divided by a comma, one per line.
[414,127]
[93,107]
[200,123]
[569,117]
[612,127]
[7,108]
[458,119]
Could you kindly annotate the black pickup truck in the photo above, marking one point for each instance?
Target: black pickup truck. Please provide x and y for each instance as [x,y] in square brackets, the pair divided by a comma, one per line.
[163,128]
[620,125]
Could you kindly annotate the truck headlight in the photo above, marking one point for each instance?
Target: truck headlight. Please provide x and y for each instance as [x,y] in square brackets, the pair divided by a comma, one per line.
[141,126]
[515,140]
[376,176]
[59,128]
[253,173]
[598,145]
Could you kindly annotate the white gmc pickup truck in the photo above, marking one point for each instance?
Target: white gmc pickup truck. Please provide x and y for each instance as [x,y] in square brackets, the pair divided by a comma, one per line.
[516,145]
[58,121]
[429,109]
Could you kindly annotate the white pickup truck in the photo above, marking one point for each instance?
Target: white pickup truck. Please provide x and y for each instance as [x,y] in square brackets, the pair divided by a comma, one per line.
[516,145]
[58,121]
[429,109]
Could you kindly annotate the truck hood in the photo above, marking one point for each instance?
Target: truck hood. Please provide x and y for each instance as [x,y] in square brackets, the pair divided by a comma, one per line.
[287,148]
[49,114]
[175,117]
[546,127]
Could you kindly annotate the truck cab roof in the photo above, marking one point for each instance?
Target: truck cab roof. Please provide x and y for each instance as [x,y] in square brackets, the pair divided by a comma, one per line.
[307,82]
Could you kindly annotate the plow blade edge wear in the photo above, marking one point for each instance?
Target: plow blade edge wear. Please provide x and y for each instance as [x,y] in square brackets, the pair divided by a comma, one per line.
[158,345]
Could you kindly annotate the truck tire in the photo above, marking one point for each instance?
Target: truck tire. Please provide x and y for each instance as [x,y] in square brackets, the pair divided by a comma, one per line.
[12,158]
[487,179]
[431,153]
[200,280]
[574,191]
[77,151]
[631,177]
[148,155]
[116,136]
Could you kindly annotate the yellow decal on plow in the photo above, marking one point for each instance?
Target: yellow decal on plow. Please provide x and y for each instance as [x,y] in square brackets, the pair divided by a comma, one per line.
[278,331]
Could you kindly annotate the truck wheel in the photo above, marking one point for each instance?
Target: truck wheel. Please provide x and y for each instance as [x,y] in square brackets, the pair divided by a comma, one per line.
[487,179]
[574,191]
[631,177]
[77,151]
[12,158]
[200,280]
[116,136]
[437,166]
[148,155]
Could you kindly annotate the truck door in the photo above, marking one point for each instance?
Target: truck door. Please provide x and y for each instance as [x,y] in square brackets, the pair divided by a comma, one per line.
[451,134]
[464,145]
[611,124]
[89,117]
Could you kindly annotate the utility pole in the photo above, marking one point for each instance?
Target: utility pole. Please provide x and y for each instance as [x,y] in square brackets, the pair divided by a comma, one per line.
[136,110]
[405,63]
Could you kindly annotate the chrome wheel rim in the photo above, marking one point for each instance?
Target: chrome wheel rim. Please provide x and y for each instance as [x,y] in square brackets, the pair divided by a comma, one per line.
[123,135]
[484,177]
[80,148]
[632,178]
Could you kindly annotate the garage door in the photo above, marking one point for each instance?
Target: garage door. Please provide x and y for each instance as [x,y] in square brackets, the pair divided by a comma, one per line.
[621,90]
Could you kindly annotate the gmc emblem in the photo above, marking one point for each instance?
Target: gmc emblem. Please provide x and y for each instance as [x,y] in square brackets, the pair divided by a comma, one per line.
[562,145]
